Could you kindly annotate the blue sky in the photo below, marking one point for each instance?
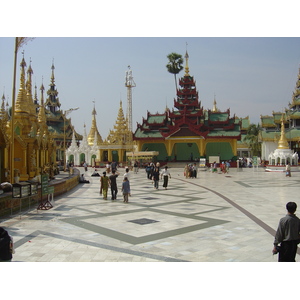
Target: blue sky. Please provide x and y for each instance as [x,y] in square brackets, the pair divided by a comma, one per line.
[252,75]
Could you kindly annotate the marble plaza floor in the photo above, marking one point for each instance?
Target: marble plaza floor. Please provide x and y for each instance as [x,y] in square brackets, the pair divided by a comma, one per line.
[213,218]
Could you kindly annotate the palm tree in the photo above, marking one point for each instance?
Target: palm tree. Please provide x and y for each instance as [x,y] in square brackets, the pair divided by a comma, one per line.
[251,139]
[175,64]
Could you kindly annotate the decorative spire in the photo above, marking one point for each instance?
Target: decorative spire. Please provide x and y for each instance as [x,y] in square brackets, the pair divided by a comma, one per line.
[52,102]
[31,108]
[187,70]
[21,103]
[52,75]
[283,143]
[94,129]
[42,115]
[215,109]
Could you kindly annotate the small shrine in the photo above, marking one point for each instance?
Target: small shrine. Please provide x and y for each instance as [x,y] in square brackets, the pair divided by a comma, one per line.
[283,155]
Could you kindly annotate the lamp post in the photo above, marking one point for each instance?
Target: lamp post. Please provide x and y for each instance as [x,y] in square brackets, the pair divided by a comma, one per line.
[65,148]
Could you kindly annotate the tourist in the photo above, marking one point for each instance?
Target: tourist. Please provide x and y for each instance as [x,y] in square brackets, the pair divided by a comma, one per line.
[85,166]
[126,174]
[114,166]
[195,170]
[165,174]
[135,167]
[288,170]
[227,163]
[158,165]
[215,168]
[113,184]
[95,173]
[186,171]
[82,179]
[152,166]
[288,235]
[155,177]
[104,181]
[6,246]
[148,171]
[126,189]
[108,167]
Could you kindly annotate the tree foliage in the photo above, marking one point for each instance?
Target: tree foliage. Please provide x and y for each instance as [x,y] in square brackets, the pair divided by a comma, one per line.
[252,139]
[174,65]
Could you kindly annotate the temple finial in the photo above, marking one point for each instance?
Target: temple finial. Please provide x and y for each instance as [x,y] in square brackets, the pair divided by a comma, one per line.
[187,70]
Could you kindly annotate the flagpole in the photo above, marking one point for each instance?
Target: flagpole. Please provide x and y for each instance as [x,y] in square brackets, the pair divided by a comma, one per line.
[12,146]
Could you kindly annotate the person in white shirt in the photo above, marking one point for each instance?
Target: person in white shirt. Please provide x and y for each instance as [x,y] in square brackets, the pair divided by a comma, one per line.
[126,174]
[165,174]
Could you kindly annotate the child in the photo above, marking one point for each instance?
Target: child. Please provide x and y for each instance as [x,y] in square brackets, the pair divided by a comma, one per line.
[125,189]
[104,180]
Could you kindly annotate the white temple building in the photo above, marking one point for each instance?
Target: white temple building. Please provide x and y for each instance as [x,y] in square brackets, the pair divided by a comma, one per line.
[84,152]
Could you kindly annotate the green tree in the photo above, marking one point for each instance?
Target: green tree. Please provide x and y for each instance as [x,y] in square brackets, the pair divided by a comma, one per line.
[174,65]
[252,139]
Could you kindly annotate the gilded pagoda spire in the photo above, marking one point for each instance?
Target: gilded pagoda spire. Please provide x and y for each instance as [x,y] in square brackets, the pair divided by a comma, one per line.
[283,143]
[187,70]
[215,109]
[21,103]
[94,130]
[4,115]
[35,99]
[121,134]
[31,108]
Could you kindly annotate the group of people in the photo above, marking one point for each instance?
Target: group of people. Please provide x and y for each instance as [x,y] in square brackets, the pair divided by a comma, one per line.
[154,173]
[111,181]
[190,170]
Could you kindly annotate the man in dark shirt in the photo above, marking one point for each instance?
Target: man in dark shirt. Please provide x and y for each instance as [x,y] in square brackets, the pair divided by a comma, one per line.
[5,246]
[113,184]
[288,235]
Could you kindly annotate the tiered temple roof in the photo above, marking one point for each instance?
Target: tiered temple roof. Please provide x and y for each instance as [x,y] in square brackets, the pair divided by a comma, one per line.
[188,118]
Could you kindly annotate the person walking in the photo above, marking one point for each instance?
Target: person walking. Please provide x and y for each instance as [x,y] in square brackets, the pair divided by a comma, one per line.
[195,170]
[155,177]
[165,174]
[186,171]
[148,171]
[126,189]
[6,246]
[104,180]
[113,184]
[287,235]
[85,166]
[126,174]
[114,166]
[227,163]
[288,170]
